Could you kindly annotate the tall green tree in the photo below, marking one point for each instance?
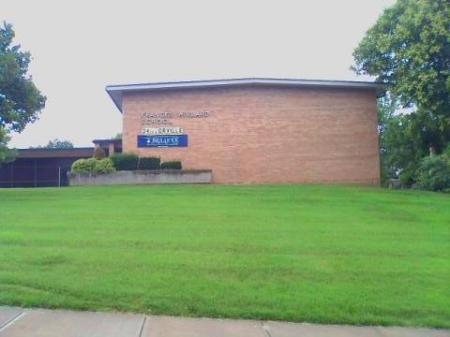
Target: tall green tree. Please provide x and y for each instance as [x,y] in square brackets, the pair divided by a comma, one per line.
[59,144]
[5,154]
[20,100]
[408,49]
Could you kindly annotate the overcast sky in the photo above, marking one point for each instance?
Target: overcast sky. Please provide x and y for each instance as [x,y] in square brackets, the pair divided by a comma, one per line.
[81,46]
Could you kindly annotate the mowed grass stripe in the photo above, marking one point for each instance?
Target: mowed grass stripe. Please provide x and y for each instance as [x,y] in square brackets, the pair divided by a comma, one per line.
[323,254]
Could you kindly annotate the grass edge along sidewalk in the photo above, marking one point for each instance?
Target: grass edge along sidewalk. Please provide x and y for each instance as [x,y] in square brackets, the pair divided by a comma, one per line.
[15,322]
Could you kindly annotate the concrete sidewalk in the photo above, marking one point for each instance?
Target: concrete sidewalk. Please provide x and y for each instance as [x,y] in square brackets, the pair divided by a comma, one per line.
[16,322]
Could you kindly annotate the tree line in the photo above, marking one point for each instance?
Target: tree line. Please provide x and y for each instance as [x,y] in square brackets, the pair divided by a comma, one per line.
[408,49]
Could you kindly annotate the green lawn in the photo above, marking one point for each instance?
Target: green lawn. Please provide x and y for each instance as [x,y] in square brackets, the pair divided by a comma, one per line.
[297,253]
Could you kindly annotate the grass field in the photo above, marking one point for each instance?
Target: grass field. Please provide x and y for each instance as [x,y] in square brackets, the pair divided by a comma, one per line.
[297,253]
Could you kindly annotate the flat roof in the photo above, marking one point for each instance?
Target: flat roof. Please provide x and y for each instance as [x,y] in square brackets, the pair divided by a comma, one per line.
[76,152]
[116,91]
[107,141]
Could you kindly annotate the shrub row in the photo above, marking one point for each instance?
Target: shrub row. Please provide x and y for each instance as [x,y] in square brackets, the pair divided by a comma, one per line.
[434,173]
[130,162]
[149,163]
[125,162]
[93,166]
[121,162]
[173,165]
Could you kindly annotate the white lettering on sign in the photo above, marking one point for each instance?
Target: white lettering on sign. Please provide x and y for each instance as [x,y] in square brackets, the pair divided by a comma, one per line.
[164,118]
[163,130]
[203,114]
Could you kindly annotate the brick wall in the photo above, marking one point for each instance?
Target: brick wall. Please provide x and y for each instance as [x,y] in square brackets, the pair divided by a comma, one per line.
[267,135]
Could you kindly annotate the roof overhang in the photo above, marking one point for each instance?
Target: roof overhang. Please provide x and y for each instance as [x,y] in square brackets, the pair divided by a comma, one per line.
[106,142]
[77,152]
[116,92]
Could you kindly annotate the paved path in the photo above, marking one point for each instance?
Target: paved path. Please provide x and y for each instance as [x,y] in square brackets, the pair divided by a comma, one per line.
[16,322]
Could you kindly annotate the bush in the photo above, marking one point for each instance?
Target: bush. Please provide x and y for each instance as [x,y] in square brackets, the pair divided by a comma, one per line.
[84,166]
[99,153]
[408,177]
[434,173]
[125,161]
[149,163]
[104,166]
[447,152]
[174,165]
[92,166]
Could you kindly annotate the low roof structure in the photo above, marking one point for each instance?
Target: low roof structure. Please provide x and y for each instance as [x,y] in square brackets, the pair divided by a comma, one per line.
[106,142]
[116,91]
[77,152]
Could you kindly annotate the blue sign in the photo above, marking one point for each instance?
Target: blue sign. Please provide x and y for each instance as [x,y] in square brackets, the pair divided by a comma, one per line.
[163,141]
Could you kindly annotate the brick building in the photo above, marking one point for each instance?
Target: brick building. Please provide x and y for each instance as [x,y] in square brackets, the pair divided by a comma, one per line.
[256,131]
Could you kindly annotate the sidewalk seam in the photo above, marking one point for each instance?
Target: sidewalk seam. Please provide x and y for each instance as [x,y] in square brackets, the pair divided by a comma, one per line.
[265,328]
[11,321]
[142,326]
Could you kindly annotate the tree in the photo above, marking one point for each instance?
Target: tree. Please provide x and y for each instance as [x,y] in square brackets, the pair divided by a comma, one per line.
[20,100]
[408,49]
[386,110]
[59,144]
[434,173]
[6,155]
[99,153]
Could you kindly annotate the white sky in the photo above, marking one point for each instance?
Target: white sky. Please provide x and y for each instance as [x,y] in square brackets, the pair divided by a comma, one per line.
[80,46]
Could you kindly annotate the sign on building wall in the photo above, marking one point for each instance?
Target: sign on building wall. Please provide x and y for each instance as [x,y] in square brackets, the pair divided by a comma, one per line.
[158,130]
[165,118]
[163,130]
[162,141]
